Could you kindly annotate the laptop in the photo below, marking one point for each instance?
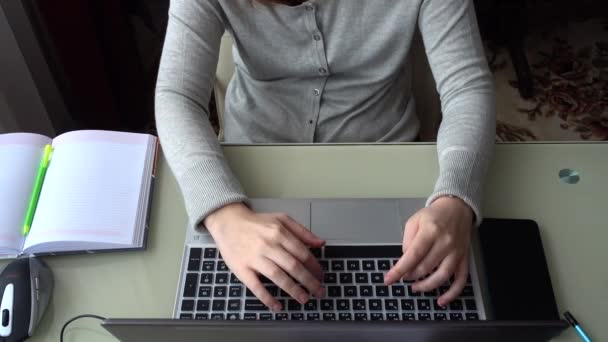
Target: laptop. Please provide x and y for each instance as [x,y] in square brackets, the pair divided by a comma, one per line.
[363,242]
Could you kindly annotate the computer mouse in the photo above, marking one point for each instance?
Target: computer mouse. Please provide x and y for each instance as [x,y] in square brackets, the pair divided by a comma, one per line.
[26,285]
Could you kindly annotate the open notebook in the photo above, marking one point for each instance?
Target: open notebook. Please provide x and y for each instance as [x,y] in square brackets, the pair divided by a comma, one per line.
[95,196]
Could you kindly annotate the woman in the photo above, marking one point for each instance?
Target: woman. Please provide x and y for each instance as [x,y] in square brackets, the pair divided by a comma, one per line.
[325,71]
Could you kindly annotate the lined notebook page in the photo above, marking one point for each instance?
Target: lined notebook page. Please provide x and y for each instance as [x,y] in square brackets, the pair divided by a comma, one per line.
[20,155]
[91,191]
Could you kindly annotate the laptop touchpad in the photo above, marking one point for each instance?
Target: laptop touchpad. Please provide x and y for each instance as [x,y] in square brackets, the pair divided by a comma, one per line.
[358,220]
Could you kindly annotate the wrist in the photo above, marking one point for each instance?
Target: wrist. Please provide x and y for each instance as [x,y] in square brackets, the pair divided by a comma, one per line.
[455,200]
[221,216]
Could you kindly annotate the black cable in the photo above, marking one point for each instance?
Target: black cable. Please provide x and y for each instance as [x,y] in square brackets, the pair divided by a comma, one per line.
[75,318]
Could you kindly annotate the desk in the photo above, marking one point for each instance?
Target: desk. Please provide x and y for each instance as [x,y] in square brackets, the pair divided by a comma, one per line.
[523,183]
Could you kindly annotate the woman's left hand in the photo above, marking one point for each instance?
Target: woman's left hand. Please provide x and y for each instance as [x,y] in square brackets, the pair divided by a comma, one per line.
[436,243]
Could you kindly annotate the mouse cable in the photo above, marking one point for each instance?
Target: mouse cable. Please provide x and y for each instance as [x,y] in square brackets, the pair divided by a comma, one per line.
[75,318]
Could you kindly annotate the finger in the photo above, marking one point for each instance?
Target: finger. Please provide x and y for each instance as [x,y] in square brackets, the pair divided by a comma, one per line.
[411,228]
[273,272]
[419,248]
[435,256]
[296,248]
[440,276]
[460,279]
[253,283]
[303,233]
[294,267]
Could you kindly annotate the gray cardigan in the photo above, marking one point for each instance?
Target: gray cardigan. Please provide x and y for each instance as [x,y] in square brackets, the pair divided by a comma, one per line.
[323,71]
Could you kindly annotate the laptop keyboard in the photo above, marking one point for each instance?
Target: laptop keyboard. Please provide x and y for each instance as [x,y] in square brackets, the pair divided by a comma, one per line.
[354,283]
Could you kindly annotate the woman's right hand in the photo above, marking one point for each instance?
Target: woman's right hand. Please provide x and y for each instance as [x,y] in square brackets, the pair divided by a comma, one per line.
[272,245]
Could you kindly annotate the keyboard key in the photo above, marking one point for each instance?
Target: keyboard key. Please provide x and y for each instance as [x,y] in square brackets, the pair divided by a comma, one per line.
[392,316]
[210,253]
[337,265]
[443,289]
[311,305]
[472,316]
[327,304]
[411,292]
[316,252]
[218,305]
[204,291]
[201,317]
[366,291]
[248,293]
[219,255]
[377,278]
[432,294]
[343,316]
[360,316]
[209,266]
[273,290]
[456,305]
[187,305]
[249,316]
[468,291]
[343,304]
[384,265]
[437,307]
[440,316]
[408,316]
[407,305]
[234,305]
[265,280]
[330,278]
[395,261]
[346,278]
[424,304]
[391,304]
[233,316]
[203,305]
[469,279]
[190,285]
[456,316]
[361,278]
[470,304]
[217,317]
[235,291]
[377,316]
[375,304]
[293,305]
[329,316]
[281,316]
[324,265]
[313,316]
[350,291]
[220,291]
[352,265]
[424,316]
[382,291]
[207,278]
[398,290]
[369,265]
[363,252]
[194,260]
[221,278]
[297,317]
[283,294]
[266,317]
[234,279]
[359,304]
[334,291]
[254,305]
[222,267]
[185,316]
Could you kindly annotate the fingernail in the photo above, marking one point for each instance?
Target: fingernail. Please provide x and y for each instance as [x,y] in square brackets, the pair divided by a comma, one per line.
[277,307]
[303,298]
[321,293]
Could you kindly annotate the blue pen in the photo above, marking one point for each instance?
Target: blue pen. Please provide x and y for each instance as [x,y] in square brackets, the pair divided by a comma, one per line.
[576,326]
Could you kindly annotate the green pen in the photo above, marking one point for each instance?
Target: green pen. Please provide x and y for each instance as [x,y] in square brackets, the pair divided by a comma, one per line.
[31,208]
